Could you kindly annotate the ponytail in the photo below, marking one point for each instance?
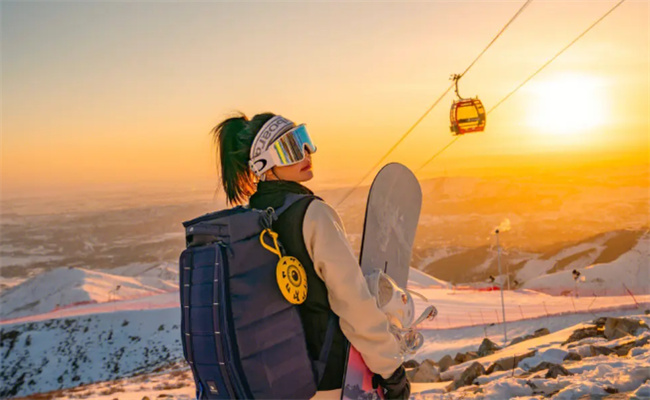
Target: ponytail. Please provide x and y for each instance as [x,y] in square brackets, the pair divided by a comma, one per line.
[234,138]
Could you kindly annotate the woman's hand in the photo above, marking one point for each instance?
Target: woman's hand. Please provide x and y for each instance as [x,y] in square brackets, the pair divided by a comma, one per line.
[397,386]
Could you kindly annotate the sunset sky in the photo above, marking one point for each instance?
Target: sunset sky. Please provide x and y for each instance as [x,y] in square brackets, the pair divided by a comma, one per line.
[101,93]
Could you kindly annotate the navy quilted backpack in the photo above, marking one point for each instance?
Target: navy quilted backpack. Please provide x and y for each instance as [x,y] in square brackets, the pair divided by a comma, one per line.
[241,337]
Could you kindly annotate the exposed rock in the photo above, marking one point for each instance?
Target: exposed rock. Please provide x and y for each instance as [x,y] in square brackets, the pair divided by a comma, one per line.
[531,384]
[445,362]
[617,396]
[555,370]
[572,356]
[519,339]
[487,347]
[460,358]
[508,363]
[411,364]
[426,372]
[580,334]
[464,357]
[642,342]
[541,366]
[623,349]
[537,333]
[600,350]
[467,377]
[496,366]
[450,387]
[541,332]
[619,327]
[600,321]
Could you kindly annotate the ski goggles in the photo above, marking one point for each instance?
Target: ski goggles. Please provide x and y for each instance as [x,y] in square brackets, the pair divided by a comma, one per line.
[288,149]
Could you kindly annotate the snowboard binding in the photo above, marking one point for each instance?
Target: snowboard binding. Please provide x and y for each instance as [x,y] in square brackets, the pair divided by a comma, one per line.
[398,305]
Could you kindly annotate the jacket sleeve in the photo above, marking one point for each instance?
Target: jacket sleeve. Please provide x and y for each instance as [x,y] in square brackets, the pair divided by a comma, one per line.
[362,322]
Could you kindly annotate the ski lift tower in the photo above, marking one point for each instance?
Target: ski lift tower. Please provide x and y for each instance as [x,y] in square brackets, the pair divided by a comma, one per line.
[503,307]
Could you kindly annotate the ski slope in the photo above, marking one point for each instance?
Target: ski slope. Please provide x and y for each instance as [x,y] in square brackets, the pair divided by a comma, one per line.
[67,291]
[630,273]
[456,307]
[113,373]
[108,341]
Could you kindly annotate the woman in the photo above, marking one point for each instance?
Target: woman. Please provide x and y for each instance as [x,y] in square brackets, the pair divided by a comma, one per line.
[264,159]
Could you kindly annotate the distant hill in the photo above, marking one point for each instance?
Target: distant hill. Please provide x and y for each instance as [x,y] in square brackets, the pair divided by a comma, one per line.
[630,271]
[460,265]
[549,218]
[65,287]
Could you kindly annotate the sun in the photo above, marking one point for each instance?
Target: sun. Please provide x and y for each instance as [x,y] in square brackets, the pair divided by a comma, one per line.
[568,106]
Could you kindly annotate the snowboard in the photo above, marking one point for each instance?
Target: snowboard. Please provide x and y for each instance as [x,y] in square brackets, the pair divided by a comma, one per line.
[392,214]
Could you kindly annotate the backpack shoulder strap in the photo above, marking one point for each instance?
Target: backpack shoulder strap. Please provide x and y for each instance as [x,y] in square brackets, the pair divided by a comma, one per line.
[321,362]
[290,200]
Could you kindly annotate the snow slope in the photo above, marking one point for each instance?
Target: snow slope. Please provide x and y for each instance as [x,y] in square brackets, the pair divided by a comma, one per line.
[65,287]
[603,247]
[59,353]
[630,271]
[460,265]
[103,342]
[458,308]
[164,375]
[418,278]
[596,375]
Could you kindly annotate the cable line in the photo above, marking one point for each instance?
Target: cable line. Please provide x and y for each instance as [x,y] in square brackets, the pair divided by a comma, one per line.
[497,36]
[556,56]
[353,188]
[533,75]
[438,153]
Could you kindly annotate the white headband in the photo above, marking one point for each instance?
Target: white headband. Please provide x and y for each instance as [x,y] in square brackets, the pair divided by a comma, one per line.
[269,133]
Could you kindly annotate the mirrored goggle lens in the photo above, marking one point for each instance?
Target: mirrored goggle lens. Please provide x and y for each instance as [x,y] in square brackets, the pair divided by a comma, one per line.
[290,147]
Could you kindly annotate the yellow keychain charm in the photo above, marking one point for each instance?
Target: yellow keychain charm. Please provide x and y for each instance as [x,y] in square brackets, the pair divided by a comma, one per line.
[289,272]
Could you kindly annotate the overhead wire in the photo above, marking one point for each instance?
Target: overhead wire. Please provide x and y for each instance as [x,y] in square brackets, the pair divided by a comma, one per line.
[521,9]
[408,131]
[532,75]
[556,55]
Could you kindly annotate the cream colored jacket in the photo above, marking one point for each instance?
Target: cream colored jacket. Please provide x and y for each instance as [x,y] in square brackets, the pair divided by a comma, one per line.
[364,325]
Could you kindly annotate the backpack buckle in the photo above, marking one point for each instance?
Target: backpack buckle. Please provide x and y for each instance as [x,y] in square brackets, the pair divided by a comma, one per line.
[267,218]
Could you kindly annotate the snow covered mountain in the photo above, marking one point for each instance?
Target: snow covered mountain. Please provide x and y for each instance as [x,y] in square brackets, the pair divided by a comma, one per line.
[602,248]
[97,300]
[125,354]
[628,273]
[58,353]
[458,218]
[462,265]
[65,287]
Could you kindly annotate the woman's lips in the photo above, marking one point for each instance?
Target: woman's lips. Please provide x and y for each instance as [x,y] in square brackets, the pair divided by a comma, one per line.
[308,167]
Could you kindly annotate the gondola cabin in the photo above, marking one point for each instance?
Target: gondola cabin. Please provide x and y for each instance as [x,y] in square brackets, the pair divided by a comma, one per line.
[467,116]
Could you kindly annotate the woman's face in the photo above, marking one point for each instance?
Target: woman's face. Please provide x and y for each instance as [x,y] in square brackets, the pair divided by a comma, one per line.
[300,172]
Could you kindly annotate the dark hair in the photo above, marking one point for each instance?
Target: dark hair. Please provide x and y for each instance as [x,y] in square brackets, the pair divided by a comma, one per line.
[234,138]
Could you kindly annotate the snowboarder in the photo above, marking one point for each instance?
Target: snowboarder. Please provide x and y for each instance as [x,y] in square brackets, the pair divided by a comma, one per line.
[261,161]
